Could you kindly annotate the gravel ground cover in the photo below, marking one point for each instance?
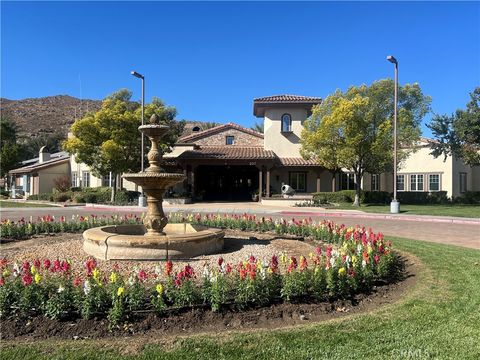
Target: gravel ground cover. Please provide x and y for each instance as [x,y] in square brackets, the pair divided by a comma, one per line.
[238,247]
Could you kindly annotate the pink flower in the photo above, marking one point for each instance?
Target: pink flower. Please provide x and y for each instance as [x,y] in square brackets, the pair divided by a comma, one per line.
[26,267]
[220,261]
[228,269]
[142,275]
[27,279]
[376,258]
[77,281]
[46,264]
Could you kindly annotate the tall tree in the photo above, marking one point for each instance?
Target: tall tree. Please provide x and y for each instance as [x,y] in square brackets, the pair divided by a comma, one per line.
[109,141]
[258,127]
[353,130]
[459,133]
[10,150]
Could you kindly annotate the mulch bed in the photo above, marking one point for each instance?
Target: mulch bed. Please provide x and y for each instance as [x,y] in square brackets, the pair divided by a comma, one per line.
[201,320]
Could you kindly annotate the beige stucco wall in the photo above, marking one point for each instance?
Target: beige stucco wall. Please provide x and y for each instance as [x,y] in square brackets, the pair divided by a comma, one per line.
[283,144]
[278,177]
[48,175]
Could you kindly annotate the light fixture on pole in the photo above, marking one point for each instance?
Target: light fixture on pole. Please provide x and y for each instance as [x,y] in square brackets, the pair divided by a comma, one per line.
[394,205]
[141,199]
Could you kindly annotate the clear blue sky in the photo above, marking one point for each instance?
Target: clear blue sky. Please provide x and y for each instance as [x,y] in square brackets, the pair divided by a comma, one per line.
[211,59]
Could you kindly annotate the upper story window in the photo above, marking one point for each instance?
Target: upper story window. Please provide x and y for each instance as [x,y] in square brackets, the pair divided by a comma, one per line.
[286,123]
[229,140]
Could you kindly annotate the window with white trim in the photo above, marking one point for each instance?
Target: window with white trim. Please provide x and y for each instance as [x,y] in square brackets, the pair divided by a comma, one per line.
[400,182]
[463,182]
[375,182]
[416,182]
[74,179]
[434,182]
[85,179]
[286,123]
[298,181]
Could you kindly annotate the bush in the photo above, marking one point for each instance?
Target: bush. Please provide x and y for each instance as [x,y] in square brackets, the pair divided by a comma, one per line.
[469,197]
[422,197]
[62,197]
[43,196]
[343,196]
[62,183]
[376,197]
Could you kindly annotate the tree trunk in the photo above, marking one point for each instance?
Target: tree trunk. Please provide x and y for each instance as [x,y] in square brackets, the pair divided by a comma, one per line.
[357,189]
[114,187]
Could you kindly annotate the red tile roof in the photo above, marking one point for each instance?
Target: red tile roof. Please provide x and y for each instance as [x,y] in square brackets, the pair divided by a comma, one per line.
[297,162]
[217,129]
[228,152]
[288,99]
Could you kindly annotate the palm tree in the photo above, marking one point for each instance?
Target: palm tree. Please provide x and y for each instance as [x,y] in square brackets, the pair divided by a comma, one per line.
[258,127]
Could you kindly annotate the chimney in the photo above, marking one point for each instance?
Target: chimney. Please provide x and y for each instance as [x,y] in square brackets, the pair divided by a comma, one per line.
[43,155]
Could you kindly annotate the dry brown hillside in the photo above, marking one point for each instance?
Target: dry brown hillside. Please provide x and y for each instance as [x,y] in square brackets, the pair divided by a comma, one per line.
[51,114]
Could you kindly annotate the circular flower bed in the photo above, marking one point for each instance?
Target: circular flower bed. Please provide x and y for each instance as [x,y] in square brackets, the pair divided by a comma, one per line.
[53,289]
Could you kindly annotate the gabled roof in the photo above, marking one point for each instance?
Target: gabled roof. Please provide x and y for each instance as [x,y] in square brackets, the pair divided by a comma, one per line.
[260,104]
[228,152]
[35,167]
[217,129]
[52,156]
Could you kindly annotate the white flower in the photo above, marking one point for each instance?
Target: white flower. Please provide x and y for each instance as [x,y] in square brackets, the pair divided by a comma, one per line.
[16,270]
[60,289]
[332,261]
[158,269]
[364,264]
[359,249]
[206,271]
[131,280]
[347,261]
[86,287]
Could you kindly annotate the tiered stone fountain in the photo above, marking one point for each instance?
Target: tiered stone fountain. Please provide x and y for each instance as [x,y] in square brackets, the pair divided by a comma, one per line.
[156,239]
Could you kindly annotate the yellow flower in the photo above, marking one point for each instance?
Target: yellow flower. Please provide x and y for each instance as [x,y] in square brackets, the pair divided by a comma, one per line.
[33,270]
[96,274]
[159,289]
[354,259]
[283,258]
[120,291]
[6,273]
[269,270]
[38,278]
[113,277]
[342,271]
[369,249]
[311,255]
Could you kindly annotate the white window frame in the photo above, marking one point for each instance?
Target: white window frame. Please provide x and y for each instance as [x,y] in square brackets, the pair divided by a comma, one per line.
[402,176]
[430,176]
[85,178]
[296,175]
[415,182]
[74,179]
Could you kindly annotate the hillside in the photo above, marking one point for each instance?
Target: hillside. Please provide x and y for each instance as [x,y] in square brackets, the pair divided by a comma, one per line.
[55,114]
[51,114]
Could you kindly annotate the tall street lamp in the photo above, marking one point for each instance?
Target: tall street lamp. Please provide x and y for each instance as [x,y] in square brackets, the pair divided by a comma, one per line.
[394,205]
[141,199]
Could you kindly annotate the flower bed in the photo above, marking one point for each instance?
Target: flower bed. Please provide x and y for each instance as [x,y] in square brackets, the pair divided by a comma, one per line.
[49,287]
[24,229]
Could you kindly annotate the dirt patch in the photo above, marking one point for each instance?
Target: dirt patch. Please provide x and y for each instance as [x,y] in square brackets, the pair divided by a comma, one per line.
[143,327]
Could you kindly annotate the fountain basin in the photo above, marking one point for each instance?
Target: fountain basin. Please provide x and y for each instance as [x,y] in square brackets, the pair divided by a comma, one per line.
[128,242]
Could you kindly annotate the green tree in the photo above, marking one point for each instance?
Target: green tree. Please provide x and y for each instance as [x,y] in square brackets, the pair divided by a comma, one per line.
[258,127]
[459,134]
[109,141]
[10,150]
[353,130]
[30,146]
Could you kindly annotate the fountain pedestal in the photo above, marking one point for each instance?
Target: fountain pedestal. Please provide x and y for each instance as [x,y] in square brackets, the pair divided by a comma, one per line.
[156,239]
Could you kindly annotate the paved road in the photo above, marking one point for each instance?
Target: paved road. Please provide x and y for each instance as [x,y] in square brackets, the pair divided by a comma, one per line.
[455,231]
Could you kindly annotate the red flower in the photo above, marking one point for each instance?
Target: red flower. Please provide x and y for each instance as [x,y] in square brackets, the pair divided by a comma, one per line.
[2,281]
[37,264]
[142,275]
[365,256]
[220,261]
[274,263]
[56,266]
[242,273]
[27,279]
[228,269]
[303,263]
[318,250]
[3,263]
[90,264]
[376,258]
[77,281]
[46,264]
[252,274]
[65,266]
[168,268]
[251,259]
[26,267]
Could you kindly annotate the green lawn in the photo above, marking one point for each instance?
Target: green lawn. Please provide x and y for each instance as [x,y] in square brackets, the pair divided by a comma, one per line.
[438,318]
[471,211]
[15,204]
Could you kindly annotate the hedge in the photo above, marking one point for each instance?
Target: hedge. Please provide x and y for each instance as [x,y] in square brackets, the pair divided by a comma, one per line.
[384,197]
[89,195]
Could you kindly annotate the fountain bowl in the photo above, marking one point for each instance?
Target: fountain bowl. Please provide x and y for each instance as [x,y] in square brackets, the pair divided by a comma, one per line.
[128,242]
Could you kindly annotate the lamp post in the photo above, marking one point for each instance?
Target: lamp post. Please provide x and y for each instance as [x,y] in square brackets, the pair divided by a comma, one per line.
[394,205]
[141,199]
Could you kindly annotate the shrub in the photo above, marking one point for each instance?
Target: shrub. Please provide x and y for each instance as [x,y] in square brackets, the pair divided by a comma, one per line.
[376,197]
[469,197]
[62,183]
[62,197]
[43,196]
[422,197]
[343,196]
